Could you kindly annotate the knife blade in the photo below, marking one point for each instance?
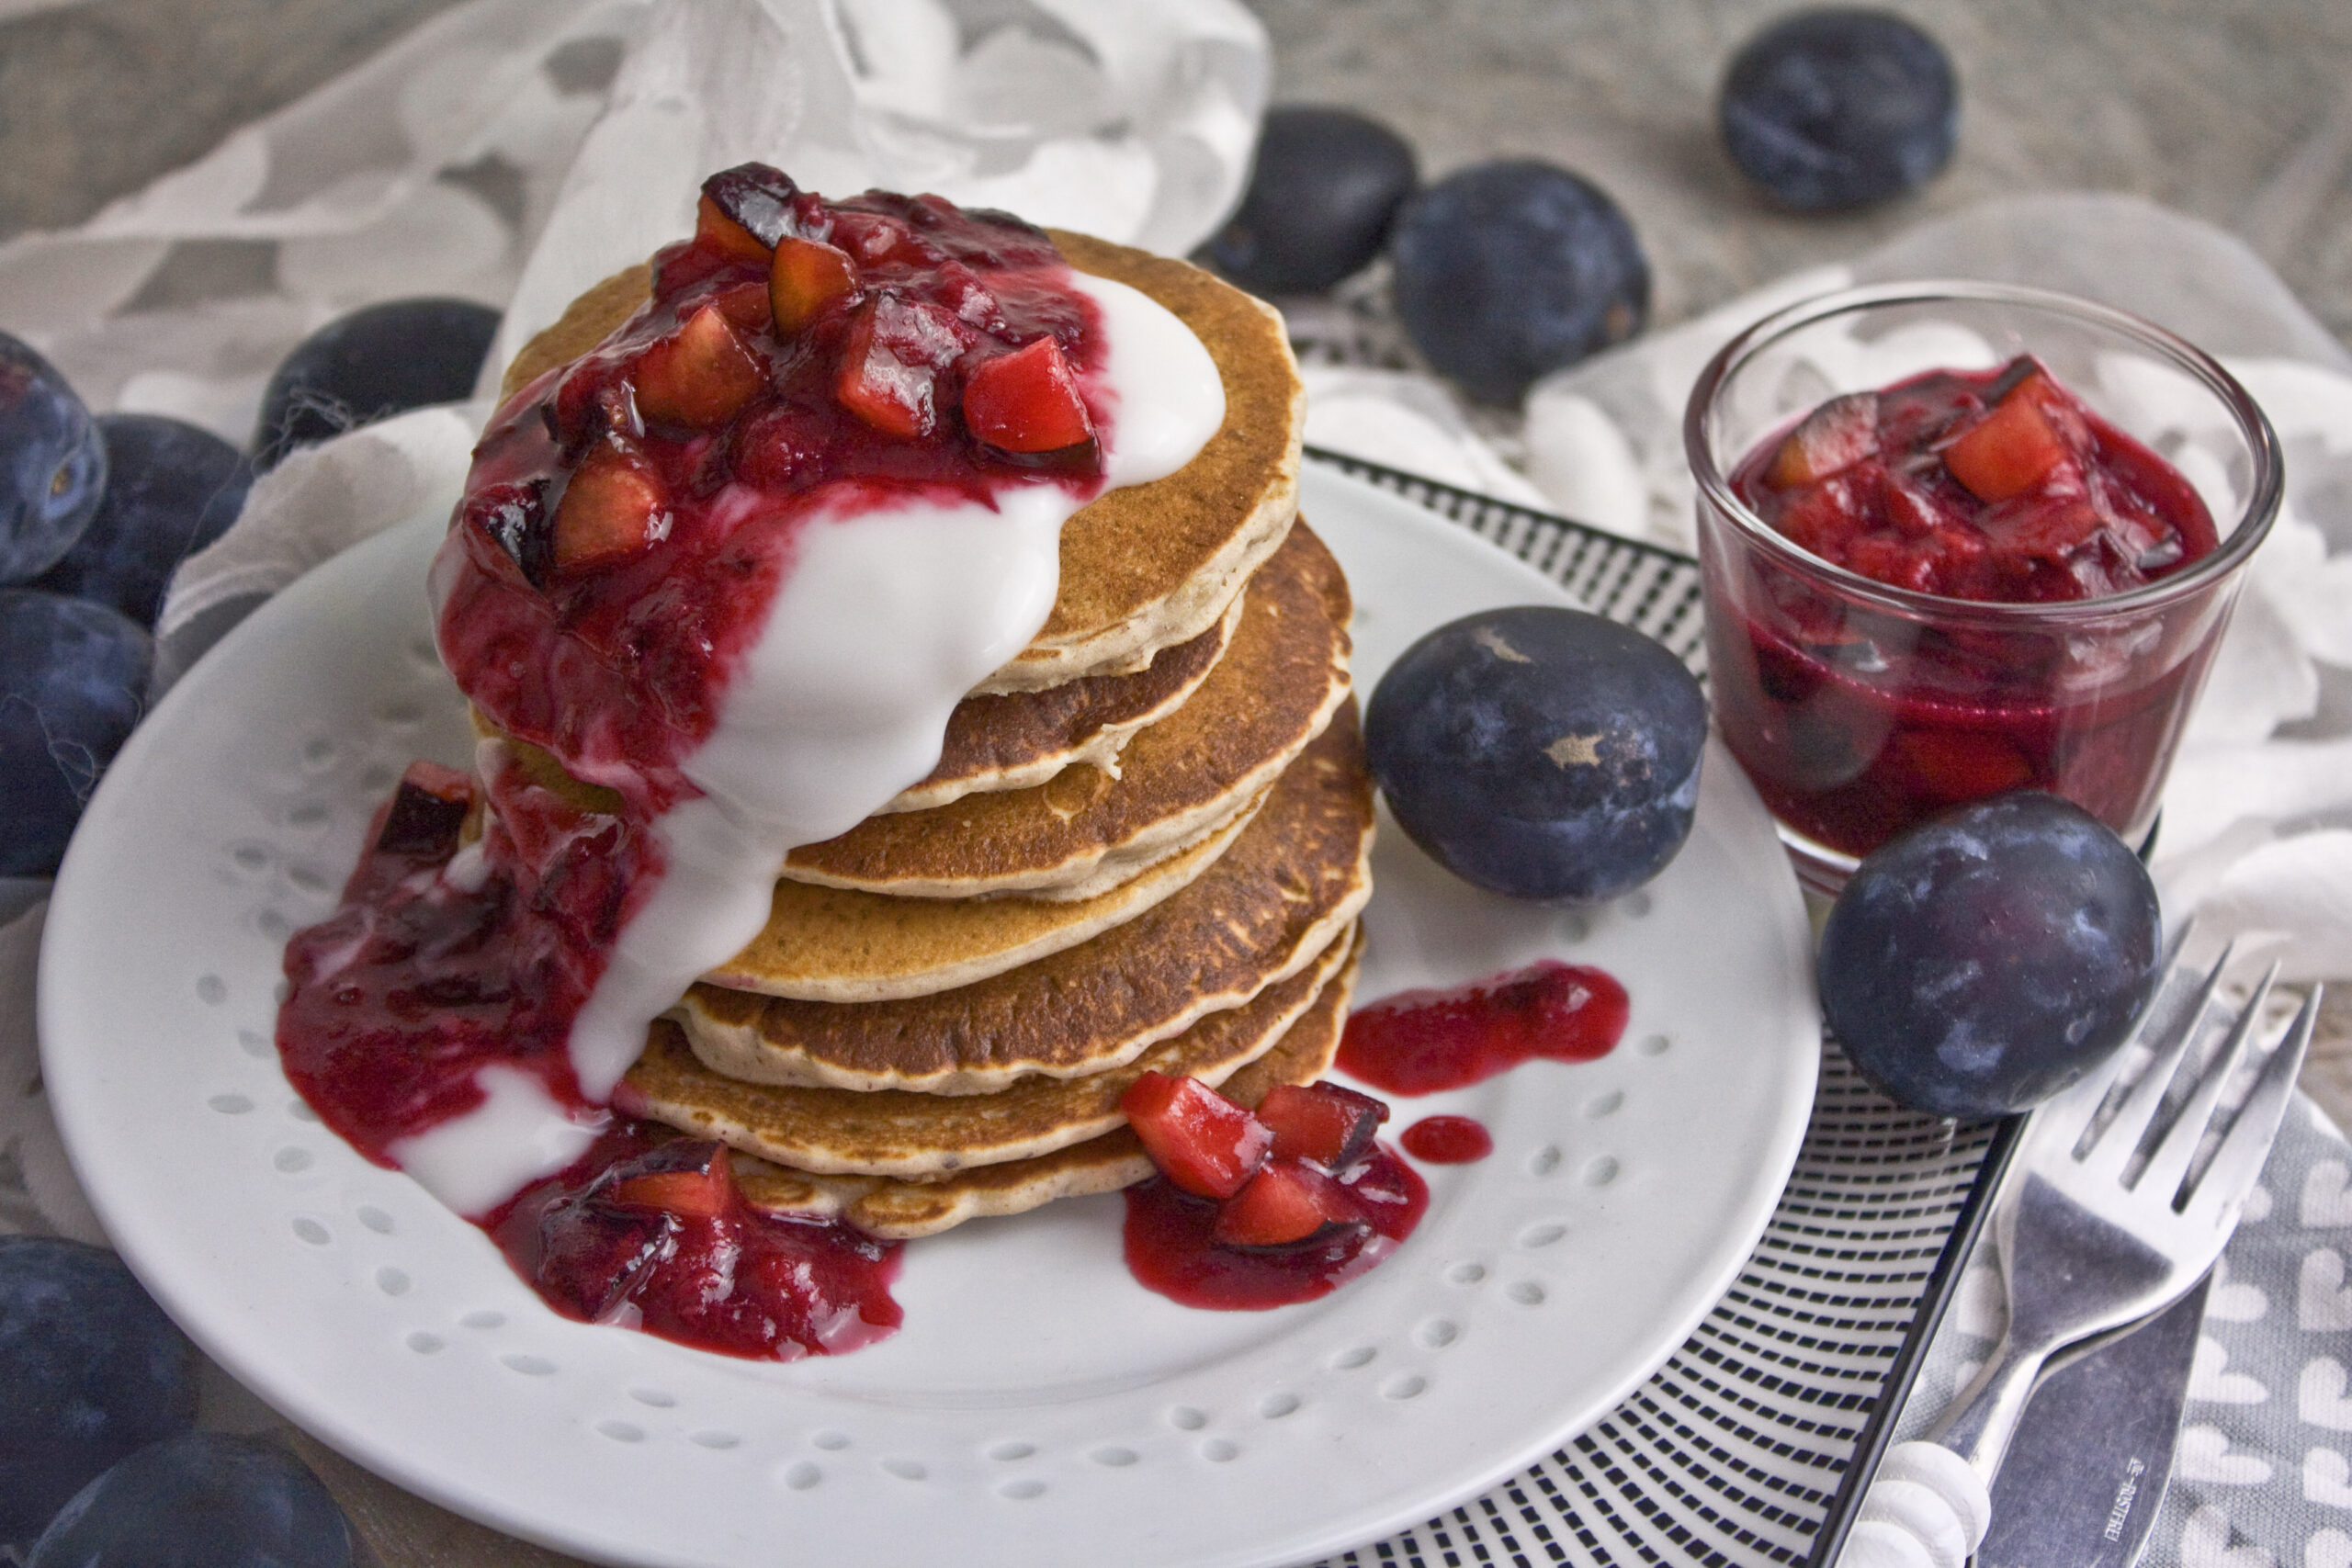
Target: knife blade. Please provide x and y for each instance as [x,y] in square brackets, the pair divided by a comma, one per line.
[2086,1472]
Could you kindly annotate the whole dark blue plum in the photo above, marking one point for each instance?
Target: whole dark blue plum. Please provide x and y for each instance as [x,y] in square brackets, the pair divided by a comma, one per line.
[1991,957]
[376,362]
[172,489]
[1508,270]
[1326,185]
[1541,752]
[90,1371]
[52,466]
[203,1500]
[72,679]
[1839,108]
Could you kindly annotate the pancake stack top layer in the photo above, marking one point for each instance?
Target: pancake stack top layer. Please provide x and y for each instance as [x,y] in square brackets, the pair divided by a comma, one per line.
[1144,847]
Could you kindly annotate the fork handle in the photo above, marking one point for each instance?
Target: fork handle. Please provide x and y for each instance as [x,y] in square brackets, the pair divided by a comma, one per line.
[1984,1415]
[1931,1501]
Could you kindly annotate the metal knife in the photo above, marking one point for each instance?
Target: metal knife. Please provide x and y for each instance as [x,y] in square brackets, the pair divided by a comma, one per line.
[2086,1472]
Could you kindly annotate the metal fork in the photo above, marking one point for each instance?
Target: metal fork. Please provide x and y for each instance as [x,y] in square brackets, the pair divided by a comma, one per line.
[2093,1240]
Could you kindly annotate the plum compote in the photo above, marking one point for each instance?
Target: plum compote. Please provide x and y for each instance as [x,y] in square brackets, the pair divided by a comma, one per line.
[398,1000]
[1995,488]
[1262,1209]
[629,513]
[609,574]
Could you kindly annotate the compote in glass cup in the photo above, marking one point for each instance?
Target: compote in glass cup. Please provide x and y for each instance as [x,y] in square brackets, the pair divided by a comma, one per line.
[1859,707]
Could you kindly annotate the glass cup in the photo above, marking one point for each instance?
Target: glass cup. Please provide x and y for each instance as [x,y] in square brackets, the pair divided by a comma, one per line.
[1860,708]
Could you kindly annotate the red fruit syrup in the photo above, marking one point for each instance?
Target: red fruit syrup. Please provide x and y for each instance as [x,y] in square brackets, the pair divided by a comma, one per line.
[626,524]
[1427,1041]
[1997,487]
[1413,1042]
[400,997]
[1448,1140]
[1171,1246]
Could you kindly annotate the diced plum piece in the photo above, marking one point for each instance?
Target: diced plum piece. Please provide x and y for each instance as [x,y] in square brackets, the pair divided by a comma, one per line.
[746,305]
[776,448]
[1201,1142]
[872,237]
[1027,400]
[721,233]
[700,377]
[2011,449]
[1894,561]
[427,813]
[689,1179]
[1823,517]
[882,389]
[1905,507]
[613,508]
[806,276]
[758,198]
[960,288]
[511,516]
[1837,434]
[921,333]
[591,1256]
[1320,1122]
[1287,1204]
[1958,765]
[593,399]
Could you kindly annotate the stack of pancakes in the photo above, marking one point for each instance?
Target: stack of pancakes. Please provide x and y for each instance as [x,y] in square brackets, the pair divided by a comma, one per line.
[1144,847]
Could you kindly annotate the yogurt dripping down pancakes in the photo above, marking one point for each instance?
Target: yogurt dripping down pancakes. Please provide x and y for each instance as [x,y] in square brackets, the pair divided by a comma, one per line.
[1144,847]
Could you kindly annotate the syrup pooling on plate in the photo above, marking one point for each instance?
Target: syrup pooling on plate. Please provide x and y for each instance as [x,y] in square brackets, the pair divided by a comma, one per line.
[1428,1041]
[733,569]
[1173,1248]
[1448,1140]
[1189,1236]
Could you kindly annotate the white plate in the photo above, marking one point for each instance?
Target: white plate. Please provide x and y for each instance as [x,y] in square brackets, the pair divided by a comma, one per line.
[1039,1407]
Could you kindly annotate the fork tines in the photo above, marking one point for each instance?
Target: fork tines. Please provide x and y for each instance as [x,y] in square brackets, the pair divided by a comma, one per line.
[2183,1011]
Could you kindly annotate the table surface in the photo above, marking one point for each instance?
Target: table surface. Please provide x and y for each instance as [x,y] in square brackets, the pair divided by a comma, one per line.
[2236,111]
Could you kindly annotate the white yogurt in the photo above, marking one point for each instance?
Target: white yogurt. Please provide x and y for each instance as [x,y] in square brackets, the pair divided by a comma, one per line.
[887,618]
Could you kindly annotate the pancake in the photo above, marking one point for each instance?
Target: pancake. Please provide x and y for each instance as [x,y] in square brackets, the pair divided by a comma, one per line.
[1266,909]
[1143,568]
[843,1132]
[1015,739]
[898,1209]
[1082,830]
[830,944]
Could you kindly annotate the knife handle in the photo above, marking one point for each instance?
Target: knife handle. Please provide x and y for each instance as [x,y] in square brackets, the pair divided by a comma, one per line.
[1927,1508]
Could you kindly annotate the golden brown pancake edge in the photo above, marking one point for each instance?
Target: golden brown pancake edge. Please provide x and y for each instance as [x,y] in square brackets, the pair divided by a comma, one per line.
[924,1136]
[1278,896]
[898,1211]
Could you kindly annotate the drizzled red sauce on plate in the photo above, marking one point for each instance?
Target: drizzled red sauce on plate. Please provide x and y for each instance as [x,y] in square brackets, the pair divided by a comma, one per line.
[1428,1041]
[1447,1140]
[719,1275]
[1413,1042]
[1170,1250]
